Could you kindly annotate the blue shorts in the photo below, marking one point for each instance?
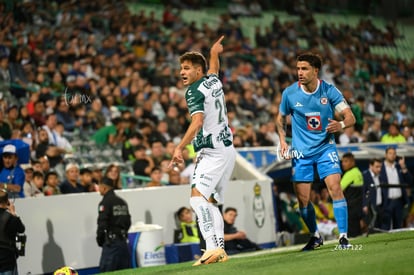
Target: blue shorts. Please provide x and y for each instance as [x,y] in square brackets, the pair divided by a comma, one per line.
[327,163]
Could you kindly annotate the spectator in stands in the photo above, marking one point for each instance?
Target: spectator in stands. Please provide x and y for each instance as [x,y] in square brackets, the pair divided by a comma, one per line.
[49,126]
[52,184]
[174,176]
[39,113]
[112,134]
[351,184]
[374,131]
[66,117]
[358,109]
[44,148]
[372,202]
[28,134]
[113,172]
[97,174]
[5,130]
[171,118]
[85,180]
[349,135]
[28,173]
[188,232]
[11,174]
[128,147]
[157,152]
[407,132]
[387,119]
[71,183]
[95,117]
[262,137]
[5,78]
[34,188]
[401,114]
[62,141]
[155,175]
[393,135]
[235,241]
[376,107]
[13,117]
[394,172]
[165,170]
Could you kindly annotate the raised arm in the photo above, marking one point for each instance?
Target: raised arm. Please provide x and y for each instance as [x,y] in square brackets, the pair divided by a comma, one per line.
[216,49]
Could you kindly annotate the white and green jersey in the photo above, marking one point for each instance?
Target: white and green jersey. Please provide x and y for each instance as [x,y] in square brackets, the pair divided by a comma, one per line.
[207,96]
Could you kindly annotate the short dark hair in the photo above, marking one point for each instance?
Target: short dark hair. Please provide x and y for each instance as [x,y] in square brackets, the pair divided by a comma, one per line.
[195,58]
[38,174]
[180,211]
[348,155]
[390,148]
[228,209]
[374,160]
[315,60]
[51,173]
[85,171]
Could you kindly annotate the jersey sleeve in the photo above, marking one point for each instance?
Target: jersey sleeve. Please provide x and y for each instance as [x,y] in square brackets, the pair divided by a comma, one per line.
[195,100]
[337,99]
[284,103]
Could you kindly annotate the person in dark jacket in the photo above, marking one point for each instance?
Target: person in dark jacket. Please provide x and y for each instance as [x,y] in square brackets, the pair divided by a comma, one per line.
[372,195]
[394,172]
[235,241]
[114,221]
[10,227]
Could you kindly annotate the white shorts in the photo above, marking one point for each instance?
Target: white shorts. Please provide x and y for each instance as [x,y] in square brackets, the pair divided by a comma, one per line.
[213,170]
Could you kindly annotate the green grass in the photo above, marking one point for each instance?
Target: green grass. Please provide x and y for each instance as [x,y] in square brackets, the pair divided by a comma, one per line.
[389,253]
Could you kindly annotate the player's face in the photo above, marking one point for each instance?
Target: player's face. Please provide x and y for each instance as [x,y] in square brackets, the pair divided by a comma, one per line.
[190,73]
[306,73]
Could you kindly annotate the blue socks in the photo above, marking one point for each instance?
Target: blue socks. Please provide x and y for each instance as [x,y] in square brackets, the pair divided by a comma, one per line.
[309,217]
[340,209]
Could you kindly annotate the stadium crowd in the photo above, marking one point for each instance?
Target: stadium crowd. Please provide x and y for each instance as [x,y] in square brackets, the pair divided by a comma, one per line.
[82,81]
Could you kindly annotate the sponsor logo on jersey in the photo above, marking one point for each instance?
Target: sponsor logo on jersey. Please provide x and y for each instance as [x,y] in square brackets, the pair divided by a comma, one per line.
[298,104]
[324,100]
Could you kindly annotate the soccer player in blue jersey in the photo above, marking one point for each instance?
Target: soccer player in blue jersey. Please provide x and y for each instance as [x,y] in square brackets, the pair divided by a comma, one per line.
[317,110]
[212,139]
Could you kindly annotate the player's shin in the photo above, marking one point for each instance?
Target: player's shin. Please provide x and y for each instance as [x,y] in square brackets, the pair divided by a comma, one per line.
[205,220]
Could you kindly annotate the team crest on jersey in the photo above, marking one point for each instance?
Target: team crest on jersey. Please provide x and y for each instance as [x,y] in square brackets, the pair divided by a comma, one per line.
[324,100]
[314,123]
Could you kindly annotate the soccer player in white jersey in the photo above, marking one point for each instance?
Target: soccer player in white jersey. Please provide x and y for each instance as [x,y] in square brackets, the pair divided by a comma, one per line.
[313,104]
[212,139]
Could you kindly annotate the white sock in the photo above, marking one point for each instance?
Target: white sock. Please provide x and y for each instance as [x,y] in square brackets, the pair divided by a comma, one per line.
[218,225]
[205,220]
[316,234]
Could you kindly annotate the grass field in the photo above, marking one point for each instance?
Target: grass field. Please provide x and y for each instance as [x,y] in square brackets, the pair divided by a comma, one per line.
[387,253]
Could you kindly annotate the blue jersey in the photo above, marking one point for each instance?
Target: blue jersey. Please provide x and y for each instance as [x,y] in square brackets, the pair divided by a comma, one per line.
[310,113]
[14,175]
